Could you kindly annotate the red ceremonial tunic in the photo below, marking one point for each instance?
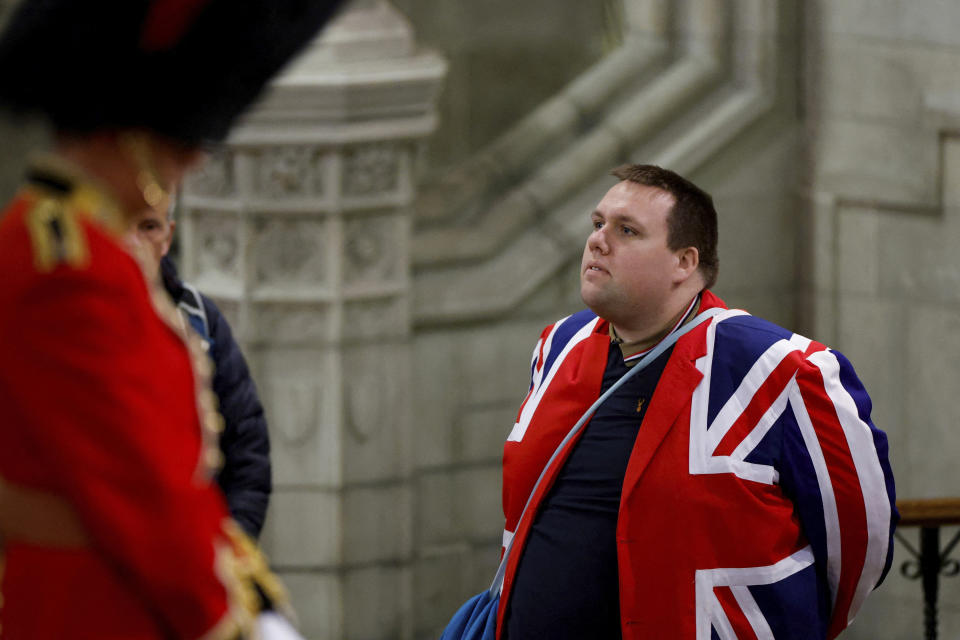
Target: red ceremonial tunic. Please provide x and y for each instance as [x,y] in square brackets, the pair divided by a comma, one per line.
[101,412]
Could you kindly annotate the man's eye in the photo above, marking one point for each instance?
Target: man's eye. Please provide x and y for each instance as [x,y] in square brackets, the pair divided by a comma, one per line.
[597,224]
[627,231]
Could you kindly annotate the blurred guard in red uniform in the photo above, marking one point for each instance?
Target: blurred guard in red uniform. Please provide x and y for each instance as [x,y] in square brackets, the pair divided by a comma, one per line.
[111,527]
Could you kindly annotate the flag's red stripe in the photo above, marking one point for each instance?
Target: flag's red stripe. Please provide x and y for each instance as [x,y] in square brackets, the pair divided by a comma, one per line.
[765,396]
[847,492]
[738,620]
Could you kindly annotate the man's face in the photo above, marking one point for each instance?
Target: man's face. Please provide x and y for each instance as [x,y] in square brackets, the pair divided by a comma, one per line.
[627,271]
[149,237]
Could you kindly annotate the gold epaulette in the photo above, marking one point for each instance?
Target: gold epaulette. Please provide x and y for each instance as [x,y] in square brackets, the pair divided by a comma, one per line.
[59,198]
[55,233]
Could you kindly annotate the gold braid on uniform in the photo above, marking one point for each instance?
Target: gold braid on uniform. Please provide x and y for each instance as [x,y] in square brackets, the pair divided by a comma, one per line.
[239,563]
[251,586]
[211,422]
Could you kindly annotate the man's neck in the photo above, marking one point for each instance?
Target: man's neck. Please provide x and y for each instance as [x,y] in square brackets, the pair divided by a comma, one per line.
[636,340]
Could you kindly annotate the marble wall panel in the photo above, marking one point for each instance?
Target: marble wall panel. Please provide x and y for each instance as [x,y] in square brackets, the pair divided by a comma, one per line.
[558,296]
[495,362]
[482,431]
[903,166]
[480,500]
[375,319]
[305,528]
[443,581]
[883,81]
[932,22]
[858,264]
[438,517]
[758,241]
[933,371]
[437,390]
[294,323]
[377,603]
[459,504]
[445,578]
[763,164]
[300,390]
[377,524]
[317,598]
[919,256]
[375,425]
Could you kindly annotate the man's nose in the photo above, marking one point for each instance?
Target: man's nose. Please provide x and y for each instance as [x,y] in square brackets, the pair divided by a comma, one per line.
[597,241]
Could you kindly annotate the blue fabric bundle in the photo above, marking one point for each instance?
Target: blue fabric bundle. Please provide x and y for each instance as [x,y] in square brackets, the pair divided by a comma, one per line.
[476,620]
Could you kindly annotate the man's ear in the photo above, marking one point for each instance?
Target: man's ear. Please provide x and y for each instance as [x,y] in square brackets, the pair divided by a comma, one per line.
[688,259]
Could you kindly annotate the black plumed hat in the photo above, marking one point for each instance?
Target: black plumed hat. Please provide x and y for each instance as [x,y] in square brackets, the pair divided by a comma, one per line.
[182,68]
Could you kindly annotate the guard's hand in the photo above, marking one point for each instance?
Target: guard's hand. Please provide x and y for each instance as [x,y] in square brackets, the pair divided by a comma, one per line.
[273,626]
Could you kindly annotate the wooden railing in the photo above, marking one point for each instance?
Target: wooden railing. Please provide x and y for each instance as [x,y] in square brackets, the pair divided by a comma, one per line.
[930,561]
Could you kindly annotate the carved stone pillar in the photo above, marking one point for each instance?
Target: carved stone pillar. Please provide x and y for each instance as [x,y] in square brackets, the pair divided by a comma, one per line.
[300,229]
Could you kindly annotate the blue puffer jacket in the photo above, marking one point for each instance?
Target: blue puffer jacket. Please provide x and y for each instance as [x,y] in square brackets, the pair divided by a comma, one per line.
[245,477]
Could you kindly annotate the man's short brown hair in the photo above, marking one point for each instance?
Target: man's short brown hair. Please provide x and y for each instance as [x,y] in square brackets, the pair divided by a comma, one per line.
[693,219]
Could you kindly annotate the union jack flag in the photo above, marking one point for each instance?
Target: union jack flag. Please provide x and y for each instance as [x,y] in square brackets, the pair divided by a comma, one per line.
[758,502]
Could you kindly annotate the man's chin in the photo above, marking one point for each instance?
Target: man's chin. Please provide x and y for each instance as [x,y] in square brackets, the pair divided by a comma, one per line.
[593,299]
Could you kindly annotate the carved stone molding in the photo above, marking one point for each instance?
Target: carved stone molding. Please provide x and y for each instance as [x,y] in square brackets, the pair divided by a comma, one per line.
[215,178]
[374,248]
[218,252]
[711,64]
[287,171]
[371,169]
[290,252]
[370,394]
[301,413]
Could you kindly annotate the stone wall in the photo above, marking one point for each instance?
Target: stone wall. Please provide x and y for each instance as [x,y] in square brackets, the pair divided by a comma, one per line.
[505,59]
[883,266]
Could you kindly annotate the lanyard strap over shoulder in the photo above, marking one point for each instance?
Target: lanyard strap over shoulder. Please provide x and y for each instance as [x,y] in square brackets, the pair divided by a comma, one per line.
[651,355]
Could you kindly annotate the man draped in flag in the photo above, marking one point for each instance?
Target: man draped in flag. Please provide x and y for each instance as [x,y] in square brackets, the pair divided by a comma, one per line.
[110,523]
[735,489]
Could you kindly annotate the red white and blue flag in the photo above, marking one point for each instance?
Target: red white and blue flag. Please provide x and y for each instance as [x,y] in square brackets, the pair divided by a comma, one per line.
[758,502]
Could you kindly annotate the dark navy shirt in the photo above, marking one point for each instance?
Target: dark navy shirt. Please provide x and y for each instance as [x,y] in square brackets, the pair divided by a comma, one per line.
[566,586]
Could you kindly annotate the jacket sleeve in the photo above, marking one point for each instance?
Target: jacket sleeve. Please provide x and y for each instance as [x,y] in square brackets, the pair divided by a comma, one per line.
[835,468]
[246,474]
